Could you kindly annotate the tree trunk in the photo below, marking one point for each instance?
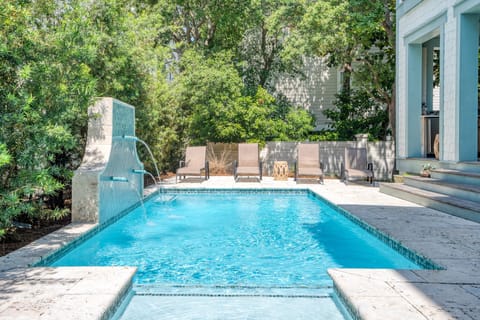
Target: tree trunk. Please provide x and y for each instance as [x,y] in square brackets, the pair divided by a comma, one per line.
[347,76]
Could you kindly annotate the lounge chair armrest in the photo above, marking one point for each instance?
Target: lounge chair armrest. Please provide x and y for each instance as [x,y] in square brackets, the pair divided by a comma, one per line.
[370,167]
[260,168]
[321,165]
[181,163]
[295,170]
[207,169]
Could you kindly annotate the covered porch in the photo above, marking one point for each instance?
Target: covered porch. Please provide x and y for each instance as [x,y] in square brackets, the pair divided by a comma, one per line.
[437,83]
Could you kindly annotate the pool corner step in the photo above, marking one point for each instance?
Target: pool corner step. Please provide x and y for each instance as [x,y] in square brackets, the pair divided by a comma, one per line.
[453,205]
[233,291]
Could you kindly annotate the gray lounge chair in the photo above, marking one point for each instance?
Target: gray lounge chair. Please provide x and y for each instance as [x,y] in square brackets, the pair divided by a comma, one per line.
[249,163]
[308,162]
[356,166]
[195,162]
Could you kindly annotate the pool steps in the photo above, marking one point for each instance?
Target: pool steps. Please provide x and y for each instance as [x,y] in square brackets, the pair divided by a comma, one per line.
[452,191]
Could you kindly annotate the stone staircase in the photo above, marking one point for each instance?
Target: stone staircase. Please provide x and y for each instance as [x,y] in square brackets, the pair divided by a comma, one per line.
[453,191]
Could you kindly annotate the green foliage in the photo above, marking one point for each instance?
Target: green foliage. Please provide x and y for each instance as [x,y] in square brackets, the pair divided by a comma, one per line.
[358,36]
[262,50]
[5,157]
[209,91]
[325,135]
[209,26]
[220,57]
[269,119]
[355,113]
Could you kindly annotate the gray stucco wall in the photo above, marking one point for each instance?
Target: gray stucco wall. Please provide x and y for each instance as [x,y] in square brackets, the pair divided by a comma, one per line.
[332,153]
[381,154]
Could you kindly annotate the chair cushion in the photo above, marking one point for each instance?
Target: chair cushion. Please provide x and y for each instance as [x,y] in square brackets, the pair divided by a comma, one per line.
[248,170]
[310,171]
[189,171]
[358,173]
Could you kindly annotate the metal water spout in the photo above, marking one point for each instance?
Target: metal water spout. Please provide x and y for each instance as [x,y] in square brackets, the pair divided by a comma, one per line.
[141,171]
[117,179]
[130,138]
[133,138]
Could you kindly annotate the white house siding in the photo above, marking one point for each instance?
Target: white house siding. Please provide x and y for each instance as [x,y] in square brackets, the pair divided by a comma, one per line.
[316,92]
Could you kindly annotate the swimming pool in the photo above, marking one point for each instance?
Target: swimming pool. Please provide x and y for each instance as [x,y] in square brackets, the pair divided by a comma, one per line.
[233,243]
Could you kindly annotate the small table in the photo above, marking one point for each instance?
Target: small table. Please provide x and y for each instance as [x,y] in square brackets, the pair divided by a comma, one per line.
[280,170]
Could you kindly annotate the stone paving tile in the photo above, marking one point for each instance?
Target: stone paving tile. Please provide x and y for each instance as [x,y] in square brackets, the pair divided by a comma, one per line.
[458,271]
[473,289]
[450,241]
[391,308]
[62,293]
[73,307]
[435,295]
[43,247]
[442,249]
[374,294]
[377,275]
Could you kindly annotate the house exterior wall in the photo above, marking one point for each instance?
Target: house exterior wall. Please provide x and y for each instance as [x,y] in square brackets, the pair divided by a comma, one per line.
[315,92]
[453,21]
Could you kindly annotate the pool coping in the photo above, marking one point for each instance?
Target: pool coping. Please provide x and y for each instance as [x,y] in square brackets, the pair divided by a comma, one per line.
[413,256]
[376,291]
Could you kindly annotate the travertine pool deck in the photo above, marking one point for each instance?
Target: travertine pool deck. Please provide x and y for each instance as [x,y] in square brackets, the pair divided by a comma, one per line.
[451,242]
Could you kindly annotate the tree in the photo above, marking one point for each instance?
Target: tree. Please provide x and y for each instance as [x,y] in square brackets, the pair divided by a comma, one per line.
[208,25]
[357,112]
[40,135]
[209,93]
[358,36]
[262,47]
[55,59]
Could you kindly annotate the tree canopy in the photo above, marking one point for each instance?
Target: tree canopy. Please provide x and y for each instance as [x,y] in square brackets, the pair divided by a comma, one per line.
[196,71]
[358,36]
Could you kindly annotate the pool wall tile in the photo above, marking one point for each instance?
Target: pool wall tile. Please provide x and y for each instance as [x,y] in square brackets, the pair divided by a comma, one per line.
[419,259]
[392,243]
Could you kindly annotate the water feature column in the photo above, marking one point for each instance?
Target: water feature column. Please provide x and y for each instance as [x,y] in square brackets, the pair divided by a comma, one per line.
[106,183]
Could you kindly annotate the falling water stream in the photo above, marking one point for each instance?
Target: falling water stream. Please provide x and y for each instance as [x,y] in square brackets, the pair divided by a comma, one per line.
[149,151]
[162,197]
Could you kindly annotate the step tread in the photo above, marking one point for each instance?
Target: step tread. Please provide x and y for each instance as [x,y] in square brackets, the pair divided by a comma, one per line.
[234,290]
[458,172]
[461,186]
[440,197]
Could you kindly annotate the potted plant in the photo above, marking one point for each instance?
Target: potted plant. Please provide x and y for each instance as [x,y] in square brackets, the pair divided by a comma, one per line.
[426,168]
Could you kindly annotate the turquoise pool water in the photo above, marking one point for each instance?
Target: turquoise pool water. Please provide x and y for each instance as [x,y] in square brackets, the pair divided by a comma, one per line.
[263,239]
[234,255]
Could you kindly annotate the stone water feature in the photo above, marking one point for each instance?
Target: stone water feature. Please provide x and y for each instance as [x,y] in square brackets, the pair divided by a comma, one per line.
[110,177]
